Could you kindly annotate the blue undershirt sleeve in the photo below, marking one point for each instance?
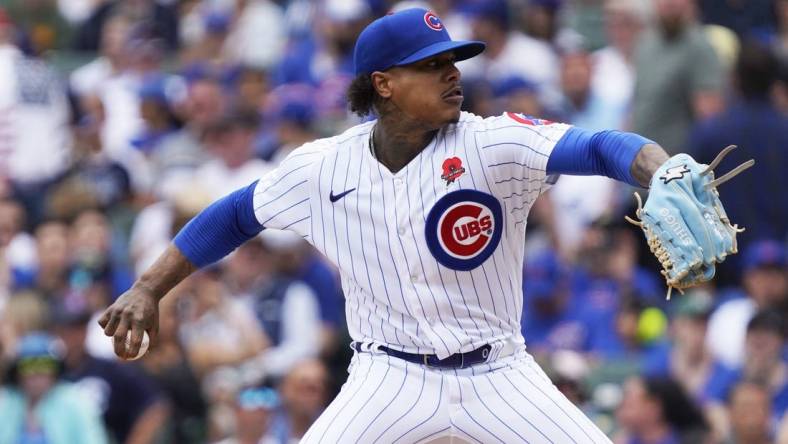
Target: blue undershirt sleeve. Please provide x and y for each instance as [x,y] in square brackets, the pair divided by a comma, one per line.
[220,228]
[605,153]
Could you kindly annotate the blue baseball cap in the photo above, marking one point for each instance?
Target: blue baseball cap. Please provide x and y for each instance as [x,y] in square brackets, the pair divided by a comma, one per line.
[495,10]
[406,37]
[764,253]
[258,398]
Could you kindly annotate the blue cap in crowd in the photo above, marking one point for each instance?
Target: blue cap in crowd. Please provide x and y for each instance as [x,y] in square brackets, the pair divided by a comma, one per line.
[406,37]
[764,253]
[258,398]
[36,352]
[513,84]
[543,273]
[495,10]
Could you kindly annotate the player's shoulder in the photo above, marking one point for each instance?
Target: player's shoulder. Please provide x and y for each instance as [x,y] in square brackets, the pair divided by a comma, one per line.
[320,148]
[506,119]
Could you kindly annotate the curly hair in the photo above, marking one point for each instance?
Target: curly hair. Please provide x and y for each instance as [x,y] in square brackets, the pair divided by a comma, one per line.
[362,97]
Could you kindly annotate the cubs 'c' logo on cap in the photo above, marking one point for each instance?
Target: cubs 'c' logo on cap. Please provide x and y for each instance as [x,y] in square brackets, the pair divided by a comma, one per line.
[432,21]
[527,120]
[464,228]
[452,169]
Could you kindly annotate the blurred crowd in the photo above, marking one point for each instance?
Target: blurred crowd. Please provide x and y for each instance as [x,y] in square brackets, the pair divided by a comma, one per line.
[121,119]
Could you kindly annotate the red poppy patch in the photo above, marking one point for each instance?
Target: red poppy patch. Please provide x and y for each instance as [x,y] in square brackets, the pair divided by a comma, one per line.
[452,169]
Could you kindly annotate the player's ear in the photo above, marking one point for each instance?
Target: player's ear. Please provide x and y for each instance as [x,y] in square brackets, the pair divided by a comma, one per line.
[381,81]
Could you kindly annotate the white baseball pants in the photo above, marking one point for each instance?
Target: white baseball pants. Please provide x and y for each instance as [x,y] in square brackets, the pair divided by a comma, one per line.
[388,400]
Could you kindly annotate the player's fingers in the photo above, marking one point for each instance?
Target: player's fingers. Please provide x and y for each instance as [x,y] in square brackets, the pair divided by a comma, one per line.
[136,339]
[104,319]
[119,338]
[110,319]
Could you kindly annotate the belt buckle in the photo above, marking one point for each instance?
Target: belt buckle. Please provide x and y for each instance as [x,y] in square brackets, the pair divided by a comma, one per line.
[426,364]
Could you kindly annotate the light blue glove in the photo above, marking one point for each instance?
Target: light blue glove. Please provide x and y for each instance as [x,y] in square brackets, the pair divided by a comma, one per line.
[684,222]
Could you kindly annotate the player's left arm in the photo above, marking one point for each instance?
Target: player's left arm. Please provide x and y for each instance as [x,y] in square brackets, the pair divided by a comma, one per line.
[683,219]
[627,157]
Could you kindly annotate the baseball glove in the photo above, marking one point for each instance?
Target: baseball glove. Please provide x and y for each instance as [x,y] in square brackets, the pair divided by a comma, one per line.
[684,222]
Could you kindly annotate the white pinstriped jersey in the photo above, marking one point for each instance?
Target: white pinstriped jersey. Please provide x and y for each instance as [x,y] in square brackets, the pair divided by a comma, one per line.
[431,256]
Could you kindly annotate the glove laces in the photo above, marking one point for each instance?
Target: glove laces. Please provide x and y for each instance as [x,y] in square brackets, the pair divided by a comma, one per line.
[656,247]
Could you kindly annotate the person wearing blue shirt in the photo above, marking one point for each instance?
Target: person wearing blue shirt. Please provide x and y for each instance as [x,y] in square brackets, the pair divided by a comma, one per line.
[760,130]
[37,406]
[764,363]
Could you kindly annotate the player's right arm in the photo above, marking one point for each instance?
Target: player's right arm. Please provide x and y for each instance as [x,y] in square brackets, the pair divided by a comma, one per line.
[280,200]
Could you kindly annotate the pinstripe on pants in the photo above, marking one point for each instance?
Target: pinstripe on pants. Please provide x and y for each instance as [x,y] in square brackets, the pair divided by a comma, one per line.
[388,400]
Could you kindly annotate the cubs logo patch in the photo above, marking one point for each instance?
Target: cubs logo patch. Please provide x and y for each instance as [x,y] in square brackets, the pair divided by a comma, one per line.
[528,120]
[432,21]
[464,228]
[673,173]
[452,169]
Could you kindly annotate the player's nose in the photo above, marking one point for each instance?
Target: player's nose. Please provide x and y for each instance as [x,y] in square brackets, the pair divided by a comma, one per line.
[452,73]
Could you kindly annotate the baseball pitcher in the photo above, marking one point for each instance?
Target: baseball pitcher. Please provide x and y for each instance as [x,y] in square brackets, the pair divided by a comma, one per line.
[424,210]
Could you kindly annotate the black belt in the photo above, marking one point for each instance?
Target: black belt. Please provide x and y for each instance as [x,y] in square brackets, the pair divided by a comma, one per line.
[457,360]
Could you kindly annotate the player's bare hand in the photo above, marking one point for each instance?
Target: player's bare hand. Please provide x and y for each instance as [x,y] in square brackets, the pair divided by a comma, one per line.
[137,311]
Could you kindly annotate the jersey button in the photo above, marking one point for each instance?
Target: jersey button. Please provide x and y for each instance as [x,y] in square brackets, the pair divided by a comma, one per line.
[414,277]
[402,231]
[398,182]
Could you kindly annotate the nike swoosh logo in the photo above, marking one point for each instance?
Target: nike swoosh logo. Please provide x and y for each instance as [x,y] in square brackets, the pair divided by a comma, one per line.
[335,197]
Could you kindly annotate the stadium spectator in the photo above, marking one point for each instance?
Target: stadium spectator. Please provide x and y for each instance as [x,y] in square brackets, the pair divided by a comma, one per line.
[254,408]
[304,394]
[657,410]
[162,19]
[583,199]
[547,322]
[35,143]
[216,330]
[755,124]
[517,95]
[97,177]
[252,87]
[580,104]
[38,406]
[25,312]
[765,286]
[219,334]
[764,364]
[612,74]
[540,19]
[613,290]
[51,272]
[256,21]
[326,56]
[286,308]
[158,222]
[132,408]
[750,408]
[291,111]
[491,23]
[684,87]
[685,358]
[230,142]
[17,249]
[40,24]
